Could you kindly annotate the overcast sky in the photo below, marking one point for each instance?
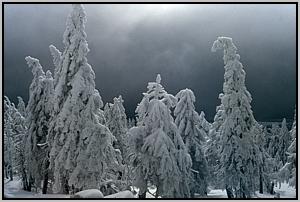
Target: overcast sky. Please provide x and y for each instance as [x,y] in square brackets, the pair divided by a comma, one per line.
[130,43]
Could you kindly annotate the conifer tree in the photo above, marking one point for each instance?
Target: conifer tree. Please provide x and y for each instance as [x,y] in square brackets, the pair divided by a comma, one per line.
[81,152]
[265,162]
[116,121]
[284,143]
[212,151]
[288,171]
[21,107]
[19,130]
[14,135]
[107,112]
[161,158]
[274,140]
[39,111]
[8,138]
[238,150]
[189,124]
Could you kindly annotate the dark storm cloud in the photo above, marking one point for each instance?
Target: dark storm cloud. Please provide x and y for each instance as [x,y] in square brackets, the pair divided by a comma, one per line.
[130,44]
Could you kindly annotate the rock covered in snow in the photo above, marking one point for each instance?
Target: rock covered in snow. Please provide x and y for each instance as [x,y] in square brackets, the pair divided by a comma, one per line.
[89,193]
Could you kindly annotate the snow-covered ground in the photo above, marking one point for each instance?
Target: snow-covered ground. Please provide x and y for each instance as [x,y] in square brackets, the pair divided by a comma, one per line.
[285,191]
[13,189]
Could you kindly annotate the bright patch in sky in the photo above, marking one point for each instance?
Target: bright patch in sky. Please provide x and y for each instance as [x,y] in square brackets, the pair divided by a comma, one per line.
[162,8]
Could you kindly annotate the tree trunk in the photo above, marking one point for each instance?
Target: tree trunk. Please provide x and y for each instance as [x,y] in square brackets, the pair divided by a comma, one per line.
[192,194]
[65,186]
[30,183]
[46,176]
[5,172]
[229,192]
[272,188]
[261,184]
[10,173]
[25,180]
[242,191]
[142,195]
[45,183]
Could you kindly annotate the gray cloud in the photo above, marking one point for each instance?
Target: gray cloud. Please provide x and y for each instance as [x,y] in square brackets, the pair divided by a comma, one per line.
[130,44]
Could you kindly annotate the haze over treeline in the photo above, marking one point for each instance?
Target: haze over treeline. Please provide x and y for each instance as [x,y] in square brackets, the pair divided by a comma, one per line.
[173,40]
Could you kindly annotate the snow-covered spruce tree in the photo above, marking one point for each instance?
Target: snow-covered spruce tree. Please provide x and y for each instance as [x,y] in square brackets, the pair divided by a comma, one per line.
[19,130]
[8,139]
[7,153]
[268,138]
[15,130]
[284,143]
[161,158]
[273,160]
[81,147]
[274,140]
[288,171]
[21,107]
[39,111]
[189,124]
[107,112]
[238,150]
[117,123]
[265,163]
[204,125]
[96,154]
[213,147]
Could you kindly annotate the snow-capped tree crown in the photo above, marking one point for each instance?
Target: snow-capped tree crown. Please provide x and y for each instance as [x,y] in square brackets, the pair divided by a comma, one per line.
[72,68]
[294,126]
[188,121]
[229,48]
[236,99]
[155,91]
[37,69]
[21,106]
[56,54]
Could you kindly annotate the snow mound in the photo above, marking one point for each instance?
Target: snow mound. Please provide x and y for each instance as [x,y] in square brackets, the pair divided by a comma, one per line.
[285,191]
[89,193]
[122,194]
[217,193]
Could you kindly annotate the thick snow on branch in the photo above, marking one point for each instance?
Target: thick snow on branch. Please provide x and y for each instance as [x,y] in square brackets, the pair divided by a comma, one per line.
[229,48]
[37,69]
[56,54]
